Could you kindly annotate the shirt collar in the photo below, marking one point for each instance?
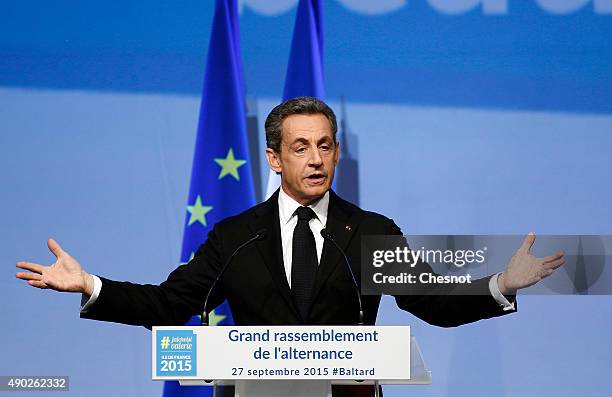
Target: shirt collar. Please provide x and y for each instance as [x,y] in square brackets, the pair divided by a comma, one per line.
[287,207]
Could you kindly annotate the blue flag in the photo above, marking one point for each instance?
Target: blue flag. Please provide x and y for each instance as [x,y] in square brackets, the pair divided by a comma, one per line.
[305,68]
[221,180]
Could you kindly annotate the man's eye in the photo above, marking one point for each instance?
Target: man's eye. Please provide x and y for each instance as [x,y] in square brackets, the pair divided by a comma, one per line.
[324,147]
[300,150]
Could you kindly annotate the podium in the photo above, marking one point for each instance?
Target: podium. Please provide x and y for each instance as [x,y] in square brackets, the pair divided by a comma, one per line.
[299,361]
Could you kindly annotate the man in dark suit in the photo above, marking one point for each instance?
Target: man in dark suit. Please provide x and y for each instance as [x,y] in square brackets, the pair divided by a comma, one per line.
[291,275]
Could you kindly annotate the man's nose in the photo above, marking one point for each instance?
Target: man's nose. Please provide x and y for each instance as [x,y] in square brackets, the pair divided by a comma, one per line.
[315,159]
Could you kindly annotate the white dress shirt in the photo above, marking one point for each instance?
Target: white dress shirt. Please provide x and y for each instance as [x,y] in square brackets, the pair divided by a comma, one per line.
[288,219]
[287,215]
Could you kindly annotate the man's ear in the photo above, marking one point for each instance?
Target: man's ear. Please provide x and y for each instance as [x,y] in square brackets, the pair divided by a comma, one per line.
[274,160]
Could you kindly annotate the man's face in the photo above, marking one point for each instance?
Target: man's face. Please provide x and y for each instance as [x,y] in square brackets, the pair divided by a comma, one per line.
[307,158]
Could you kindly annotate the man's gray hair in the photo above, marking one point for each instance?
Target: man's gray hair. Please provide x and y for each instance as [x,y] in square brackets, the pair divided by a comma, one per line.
[298,105]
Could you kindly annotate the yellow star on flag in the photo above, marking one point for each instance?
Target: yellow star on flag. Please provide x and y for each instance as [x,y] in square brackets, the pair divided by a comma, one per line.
[215,319]
[198,212]
[229,165]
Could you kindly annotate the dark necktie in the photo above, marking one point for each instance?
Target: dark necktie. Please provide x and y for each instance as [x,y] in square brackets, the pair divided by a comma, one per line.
[303,261]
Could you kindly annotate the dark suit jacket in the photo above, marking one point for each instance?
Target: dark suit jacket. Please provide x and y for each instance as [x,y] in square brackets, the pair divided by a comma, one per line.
[256,287]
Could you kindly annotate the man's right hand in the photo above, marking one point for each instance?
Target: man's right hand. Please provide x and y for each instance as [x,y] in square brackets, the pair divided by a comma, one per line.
[65,275]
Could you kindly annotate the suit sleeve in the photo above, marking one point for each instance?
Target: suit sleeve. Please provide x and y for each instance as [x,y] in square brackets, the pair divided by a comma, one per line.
[448,305]
[172,302]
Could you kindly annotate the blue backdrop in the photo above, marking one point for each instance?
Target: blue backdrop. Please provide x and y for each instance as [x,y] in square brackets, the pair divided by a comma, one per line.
[470,116]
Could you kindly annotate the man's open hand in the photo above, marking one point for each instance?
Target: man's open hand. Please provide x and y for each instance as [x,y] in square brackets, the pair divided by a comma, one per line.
[525,269]
[65,275]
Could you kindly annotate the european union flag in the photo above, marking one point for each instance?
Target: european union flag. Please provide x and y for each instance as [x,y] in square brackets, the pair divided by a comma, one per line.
[221,180]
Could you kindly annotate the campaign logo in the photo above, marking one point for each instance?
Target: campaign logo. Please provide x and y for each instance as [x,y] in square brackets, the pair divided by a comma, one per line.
[176,353]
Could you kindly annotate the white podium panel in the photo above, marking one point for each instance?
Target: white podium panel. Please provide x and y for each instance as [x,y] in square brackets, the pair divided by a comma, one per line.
[271,353]
[300,361]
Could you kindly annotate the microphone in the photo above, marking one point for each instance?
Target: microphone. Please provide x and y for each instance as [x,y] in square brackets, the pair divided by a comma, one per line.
[258,235]
[327,235]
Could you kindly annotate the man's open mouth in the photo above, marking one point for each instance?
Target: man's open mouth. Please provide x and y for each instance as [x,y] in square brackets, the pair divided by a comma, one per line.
[316,178]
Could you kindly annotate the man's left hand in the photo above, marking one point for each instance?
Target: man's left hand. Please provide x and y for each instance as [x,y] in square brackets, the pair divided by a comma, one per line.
[525,269]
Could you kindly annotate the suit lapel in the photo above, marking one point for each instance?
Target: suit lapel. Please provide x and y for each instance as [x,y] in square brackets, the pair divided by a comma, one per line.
[342,221]
[270,248]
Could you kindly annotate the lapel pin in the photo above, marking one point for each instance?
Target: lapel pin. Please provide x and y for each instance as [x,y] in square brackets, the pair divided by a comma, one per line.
[348,227]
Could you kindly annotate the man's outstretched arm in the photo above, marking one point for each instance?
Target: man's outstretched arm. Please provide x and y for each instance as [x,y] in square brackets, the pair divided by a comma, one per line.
[170,303]
[450,305]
